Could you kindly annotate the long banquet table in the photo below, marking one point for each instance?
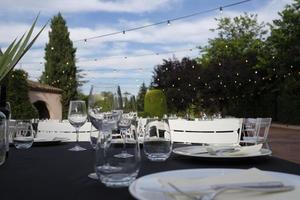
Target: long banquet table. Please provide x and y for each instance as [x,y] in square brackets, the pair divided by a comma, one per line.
[53,172]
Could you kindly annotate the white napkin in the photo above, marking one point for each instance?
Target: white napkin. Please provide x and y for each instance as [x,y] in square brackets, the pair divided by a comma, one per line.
[238,150]
[192,186]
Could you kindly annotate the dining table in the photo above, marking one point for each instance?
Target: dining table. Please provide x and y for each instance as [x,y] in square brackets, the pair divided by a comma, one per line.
[52,172]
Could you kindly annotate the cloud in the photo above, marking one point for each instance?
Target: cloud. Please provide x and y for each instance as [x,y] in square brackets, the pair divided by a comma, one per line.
[71,6]
[179,35]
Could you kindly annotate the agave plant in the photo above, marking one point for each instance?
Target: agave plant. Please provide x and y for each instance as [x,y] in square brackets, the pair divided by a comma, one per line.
[16,50]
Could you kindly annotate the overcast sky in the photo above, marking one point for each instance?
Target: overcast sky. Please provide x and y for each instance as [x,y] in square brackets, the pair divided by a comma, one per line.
[90,18]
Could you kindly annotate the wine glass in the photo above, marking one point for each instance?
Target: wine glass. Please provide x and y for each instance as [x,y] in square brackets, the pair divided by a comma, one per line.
[104,111]
[77,117]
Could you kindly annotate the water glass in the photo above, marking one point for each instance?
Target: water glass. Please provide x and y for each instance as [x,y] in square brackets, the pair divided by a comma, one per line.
[112,169]
[157,140]
[23,135]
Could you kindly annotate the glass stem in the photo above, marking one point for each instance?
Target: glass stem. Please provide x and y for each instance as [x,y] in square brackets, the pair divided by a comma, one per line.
[123,133]
[77,136]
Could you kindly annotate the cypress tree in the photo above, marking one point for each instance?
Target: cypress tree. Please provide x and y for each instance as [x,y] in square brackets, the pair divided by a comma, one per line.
[60,68]
[141,97]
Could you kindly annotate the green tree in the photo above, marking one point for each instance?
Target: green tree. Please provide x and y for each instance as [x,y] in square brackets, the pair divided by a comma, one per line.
[232,82]
[120,98]
[141,97]
[60,69]
[281,60]
[179,80]
[17,95]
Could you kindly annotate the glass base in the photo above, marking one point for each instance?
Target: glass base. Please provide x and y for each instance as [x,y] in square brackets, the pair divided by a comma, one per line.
[77,148]
[157,157]
[93,176]
[118,180]
[124,154]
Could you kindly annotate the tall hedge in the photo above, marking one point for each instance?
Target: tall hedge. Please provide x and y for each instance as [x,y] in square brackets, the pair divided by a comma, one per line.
[17,96]
[155,103]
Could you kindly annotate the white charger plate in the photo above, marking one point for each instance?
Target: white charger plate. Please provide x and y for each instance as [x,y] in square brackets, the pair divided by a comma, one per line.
[201,152]
[148,187]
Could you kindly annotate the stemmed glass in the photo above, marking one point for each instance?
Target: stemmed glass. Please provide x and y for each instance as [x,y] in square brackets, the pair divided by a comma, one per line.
[77,117]
[104,111]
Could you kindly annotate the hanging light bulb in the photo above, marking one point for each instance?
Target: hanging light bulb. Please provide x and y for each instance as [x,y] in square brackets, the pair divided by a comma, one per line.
[221,10]
[85,41]
[168,22]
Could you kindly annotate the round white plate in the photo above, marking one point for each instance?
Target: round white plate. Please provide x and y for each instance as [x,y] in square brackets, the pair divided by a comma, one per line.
[201,152]
[149,188]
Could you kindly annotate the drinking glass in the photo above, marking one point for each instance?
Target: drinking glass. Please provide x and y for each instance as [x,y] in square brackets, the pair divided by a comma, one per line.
[77,117]
[23,135]
[103,106]
[124,129]
[157,139]
[112,169]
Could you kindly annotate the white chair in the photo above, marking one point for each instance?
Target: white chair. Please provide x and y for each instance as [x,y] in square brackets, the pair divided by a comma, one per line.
[258,129]
[219,131]
[50,130]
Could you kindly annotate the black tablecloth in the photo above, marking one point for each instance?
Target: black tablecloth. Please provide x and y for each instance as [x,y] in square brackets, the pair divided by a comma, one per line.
[53,172]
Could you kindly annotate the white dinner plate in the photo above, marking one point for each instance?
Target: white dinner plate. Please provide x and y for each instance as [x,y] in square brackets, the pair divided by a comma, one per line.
[201,152]
[149,188]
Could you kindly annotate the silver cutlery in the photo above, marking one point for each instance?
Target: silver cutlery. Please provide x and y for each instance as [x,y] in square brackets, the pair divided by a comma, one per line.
[267,187]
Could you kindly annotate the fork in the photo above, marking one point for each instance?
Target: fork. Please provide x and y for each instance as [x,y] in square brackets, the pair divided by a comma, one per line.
[212,195]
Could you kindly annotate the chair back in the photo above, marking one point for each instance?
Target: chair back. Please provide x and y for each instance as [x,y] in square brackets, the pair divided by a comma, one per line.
[218,131]
[263,129]
[51,129]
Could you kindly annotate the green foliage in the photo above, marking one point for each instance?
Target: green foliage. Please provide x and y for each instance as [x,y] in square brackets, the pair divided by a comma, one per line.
[141,97]
[17,95]
[155,103]
[179,80]
[241,72]
[16,50]
[120,98]
[129,103]
[60,69]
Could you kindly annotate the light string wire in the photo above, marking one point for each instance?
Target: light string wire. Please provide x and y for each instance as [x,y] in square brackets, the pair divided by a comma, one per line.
[220,8]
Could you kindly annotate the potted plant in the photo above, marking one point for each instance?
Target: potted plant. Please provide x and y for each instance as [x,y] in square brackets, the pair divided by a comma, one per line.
[10,58]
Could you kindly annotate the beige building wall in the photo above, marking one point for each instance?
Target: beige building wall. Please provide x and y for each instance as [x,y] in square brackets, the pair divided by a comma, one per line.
[52,101]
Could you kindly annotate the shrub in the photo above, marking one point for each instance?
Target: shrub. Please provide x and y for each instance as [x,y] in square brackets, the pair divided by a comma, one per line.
[155,103]
[17,95]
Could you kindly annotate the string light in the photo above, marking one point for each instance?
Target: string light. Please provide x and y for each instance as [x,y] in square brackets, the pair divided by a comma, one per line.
[221,10]
[164,21]
[52,48]
[168,22]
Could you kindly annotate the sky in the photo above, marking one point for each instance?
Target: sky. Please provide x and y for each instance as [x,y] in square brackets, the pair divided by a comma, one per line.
[117,59]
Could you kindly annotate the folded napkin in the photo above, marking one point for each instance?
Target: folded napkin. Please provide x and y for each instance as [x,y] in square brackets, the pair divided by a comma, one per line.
[234,150]
[195,186]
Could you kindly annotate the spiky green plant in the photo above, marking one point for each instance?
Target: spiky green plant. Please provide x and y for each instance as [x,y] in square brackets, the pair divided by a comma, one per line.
[16,50]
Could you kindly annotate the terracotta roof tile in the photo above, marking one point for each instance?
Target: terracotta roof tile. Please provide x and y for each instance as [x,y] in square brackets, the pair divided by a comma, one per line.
[36,86]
